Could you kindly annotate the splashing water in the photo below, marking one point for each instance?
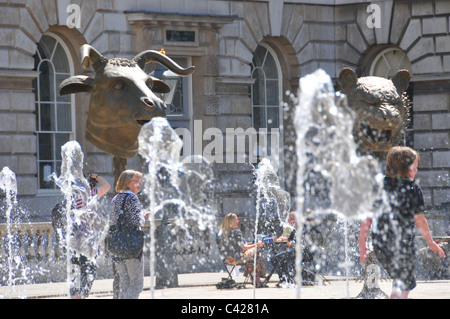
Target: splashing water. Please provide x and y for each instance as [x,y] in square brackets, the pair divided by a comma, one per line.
[272,204]
[272,201]
[325,146]
[331,177]
[176,189]
[85,227]
[9,185]
[19,272]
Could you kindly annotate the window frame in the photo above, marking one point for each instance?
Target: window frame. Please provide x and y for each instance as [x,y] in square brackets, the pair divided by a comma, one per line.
[53,102]
[187,97]
[271,51]
[183,121]
[382,55]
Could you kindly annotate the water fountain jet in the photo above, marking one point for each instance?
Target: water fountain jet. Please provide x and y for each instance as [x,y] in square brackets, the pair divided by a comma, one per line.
[176,191]
[9,185]
[83,229]
[325,147]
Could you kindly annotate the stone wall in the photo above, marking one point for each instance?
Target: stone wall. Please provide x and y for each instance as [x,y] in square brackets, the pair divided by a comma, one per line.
[305,35]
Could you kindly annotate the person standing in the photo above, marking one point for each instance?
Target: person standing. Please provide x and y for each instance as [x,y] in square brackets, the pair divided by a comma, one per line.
[394,234]
[83,269]
[130,272]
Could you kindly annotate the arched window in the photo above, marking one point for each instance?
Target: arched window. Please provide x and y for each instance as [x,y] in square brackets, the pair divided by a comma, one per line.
[386,64]
[266,94]
[54,113]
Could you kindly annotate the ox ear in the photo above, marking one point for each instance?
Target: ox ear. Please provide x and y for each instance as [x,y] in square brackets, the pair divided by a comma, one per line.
[159,86]
[347,79]
[76,84]
[90,56]
[401,80]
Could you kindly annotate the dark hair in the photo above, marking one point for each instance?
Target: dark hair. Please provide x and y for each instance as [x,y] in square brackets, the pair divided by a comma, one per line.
[398,161]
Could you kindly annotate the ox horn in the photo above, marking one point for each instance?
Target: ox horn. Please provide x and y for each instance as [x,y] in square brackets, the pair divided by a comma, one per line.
[154,56]
[89,55]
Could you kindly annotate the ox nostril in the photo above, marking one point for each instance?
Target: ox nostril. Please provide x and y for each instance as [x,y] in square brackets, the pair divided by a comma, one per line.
[148,102]
[156,105]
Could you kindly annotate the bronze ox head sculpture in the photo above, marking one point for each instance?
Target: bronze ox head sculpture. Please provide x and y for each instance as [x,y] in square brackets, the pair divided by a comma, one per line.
[381,108]
[122,98]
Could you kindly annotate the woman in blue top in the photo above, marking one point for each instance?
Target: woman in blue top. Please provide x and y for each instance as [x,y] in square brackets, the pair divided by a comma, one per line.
[130,272]
[393,234]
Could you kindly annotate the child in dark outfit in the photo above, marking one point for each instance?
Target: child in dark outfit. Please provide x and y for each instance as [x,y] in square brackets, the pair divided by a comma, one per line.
[393,234]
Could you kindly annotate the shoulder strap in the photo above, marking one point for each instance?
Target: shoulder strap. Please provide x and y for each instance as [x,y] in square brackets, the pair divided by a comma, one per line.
[121,218]
[124,201]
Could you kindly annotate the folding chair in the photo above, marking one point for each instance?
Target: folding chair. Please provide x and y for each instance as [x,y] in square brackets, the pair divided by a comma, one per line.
[274,268]
[230,265]
[276,264]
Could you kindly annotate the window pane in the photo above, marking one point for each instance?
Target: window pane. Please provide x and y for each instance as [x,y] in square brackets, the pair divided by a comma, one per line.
[258,57]
[60,140]
[64,119]
[47,117]
[179,103]
[272,92]
[273,121]
[259,117]
[259,88]
[45,146]
[59,79]
[46,47]
[270,68]
[58,165]
[176,108]
[60,60]
[45,169]
[46,83]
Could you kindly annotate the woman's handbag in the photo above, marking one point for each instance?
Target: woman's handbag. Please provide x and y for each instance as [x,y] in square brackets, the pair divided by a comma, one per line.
[124,241]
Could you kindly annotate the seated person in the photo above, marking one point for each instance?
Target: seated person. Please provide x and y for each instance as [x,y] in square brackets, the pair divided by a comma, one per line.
[233,248]
[285,261]
[289,228]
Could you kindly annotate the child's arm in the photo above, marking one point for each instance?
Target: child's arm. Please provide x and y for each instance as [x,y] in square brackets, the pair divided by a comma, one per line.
[422,225]
[364,231]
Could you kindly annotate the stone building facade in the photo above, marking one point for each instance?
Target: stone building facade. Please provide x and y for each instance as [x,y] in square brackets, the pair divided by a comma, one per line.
[240,49]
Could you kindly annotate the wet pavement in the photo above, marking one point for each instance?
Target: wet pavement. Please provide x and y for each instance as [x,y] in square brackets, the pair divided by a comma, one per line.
[203,286]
